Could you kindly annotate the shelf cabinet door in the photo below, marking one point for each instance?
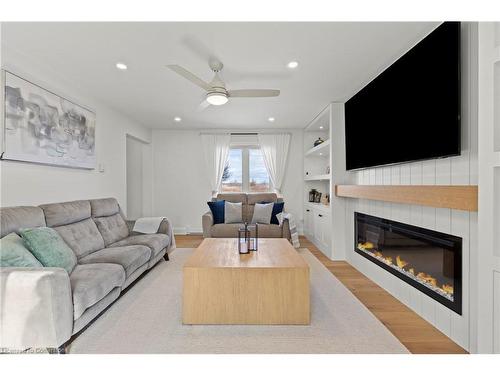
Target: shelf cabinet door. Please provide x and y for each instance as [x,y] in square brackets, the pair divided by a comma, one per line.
[318,227]
[326,231]
[308,222]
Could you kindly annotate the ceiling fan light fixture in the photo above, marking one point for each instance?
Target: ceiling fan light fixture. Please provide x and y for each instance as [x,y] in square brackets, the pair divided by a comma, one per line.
[292,64]
[217,98]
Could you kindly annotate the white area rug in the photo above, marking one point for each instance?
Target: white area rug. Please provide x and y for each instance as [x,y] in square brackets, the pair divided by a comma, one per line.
[147,319]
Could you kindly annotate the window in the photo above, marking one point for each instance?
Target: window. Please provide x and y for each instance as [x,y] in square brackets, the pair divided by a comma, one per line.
[232,178]
[245,171]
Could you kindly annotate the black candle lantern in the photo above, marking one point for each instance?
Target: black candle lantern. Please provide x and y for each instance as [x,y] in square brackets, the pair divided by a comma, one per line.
[253,237]
[243,239]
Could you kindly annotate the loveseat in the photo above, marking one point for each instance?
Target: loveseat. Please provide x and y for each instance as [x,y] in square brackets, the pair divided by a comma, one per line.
[248,201]
[46,306]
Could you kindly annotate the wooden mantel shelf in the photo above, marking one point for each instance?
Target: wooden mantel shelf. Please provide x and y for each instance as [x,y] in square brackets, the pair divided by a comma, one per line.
[459,197]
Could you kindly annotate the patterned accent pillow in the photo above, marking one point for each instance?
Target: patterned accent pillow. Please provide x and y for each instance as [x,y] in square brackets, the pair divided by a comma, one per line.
[49,248]
[13,253]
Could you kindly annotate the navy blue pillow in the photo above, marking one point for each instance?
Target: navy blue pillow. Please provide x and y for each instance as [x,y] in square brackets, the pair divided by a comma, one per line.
[277,209]
[217,209]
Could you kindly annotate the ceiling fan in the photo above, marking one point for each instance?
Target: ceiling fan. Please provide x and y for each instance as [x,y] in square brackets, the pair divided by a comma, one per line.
[216,93]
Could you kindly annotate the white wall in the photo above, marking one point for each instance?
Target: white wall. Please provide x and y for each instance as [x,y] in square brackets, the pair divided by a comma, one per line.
[33,184]
[460,170]
[180,184]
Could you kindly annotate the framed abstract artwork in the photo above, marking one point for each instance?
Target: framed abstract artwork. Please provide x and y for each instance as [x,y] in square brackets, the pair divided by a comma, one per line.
[42,127]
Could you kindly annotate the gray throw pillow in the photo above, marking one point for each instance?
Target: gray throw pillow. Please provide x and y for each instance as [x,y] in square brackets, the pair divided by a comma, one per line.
[233,212]
[13,253]
[262,213]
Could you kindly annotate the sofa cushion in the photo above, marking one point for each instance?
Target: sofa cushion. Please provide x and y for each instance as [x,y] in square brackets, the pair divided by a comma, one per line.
[12,219]
[217,209]
[112,228]
[49,248]
[225,230]
[270,231]
[83,237]
[156,242]
[104,207]
[233,197]
[233,212]
[261,197]
[57,214]
[13,253]
[231,231]
[129,257]
[92,282]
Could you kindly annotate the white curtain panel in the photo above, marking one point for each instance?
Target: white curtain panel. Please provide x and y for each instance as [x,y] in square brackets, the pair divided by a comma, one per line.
[216,152]
[275,151]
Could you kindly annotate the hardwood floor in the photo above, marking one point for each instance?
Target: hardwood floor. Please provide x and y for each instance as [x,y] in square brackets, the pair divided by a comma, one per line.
[416,334]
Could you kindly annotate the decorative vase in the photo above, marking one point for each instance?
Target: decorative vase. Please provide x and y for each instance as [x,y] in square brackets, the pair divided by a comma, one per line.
[318,141]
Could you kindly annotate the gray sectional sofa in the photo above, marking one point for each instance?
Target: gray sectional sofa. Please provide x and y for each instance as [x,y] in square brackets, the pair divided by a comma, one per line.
[45,307]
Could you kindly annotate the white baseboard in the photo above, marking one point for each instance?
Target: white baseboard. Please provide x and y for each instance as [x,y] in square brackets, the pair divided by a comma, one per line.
[187,230]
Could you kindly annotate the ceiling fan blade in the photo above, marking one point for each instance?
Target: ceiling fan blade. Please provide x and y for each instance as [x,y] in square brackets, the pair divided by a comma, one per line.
[253,93]
[190,76]
[203,105]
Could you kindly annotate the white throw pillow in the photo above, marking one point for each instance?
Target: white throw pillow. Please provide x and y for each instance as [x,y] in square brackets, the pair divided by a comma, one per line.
[233,212]
[262,213]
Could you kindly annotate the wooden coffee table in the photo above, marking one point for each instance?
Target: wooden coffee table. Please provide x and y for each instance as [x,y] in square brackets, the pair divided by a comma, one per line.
[270,286]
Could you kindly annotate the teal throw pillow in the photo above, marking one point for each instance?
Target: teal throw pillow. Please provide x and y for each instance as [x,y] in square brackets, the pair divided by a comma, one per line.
[13,253]
[49,248]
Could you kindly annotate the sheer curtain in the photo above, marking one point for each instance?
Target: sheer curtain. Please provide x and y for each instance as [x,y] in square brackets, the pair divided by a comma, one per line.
[275,151]
[216,152]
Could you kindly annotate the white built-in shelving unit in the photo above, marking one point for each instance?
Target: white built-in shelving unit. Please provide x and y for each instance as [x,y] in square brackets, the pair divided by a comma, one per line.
[317,162]
[488,302]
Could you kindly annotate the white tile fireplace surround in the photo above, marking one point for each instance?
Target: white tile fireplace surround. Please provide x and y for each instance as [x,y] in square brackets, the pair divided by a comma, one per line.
[460,170]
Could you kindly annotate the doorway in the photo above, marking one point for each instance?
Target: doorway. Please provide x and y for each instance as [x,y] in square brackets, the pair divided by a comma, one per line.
[138,178]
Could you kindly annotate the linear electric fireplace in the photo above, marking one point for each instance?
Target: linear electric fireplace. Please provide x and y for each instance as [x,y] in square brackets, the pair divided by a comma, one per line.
[428,260]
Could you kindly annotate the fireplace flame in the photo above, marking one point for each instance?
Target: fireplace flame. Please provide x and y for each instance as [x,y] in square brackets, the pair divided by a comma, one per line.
[420,276]
[400,262]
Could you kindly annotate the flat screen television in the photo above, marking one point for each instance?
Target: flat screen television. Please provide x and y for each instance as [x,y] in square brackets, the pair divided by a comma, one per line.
[411,111]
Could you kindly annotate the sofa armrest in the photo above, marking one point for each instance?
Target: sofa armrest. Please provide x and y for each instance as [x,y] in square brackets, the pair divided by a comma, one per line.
[207,221]
[164,228]
[286,230]
[36,307]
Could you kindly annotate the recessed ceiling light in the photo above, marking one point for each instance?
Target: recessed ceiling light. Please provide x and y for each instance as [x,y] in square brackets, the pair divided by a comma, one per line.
[320,154]
[271,119]
[177,119]
[293,64]
[321,127]
[121,66]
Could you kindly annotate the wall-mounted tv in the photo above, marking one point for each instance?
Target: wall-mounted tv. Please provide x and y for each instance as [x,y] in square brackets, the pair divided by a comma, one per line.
[411,111]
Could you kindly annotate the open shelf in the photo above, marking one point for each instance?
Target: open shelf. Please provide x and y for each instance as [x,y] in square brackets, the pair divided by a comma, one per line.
[321,123]
[321,150]
[317,177]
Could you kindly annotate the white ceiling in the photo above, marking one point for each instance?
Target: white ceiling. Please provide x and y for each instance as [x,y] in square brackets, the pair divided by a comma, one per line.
[336,59]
